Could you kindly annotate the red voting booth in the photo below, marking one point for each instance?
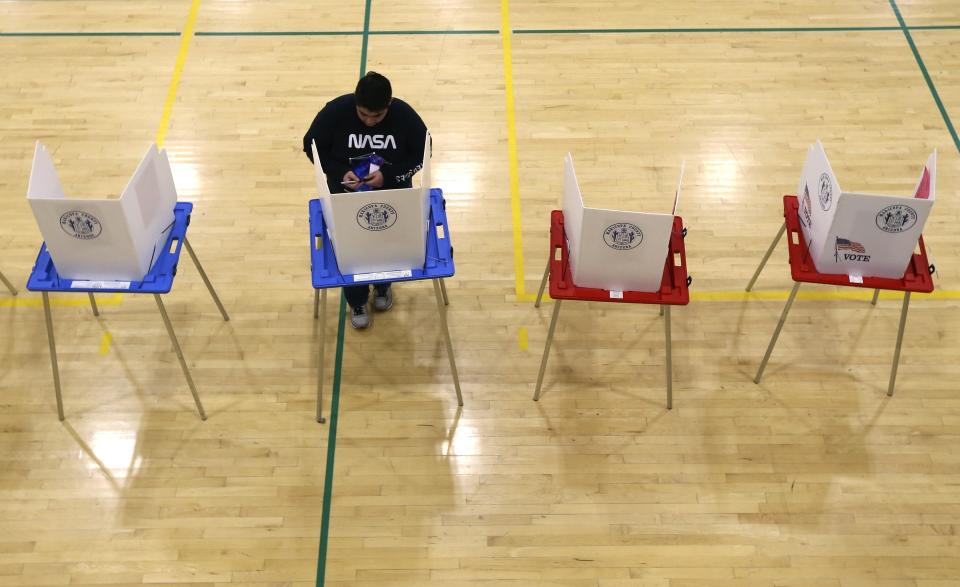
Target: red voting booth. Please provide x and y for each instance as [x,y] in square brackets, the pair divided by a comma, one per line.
[917,278]
[673,289]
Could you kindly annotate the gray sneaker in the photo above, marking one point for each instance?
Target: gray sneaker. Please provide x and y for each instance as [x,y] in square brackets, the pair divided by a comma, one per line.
[359,317]
[383,301]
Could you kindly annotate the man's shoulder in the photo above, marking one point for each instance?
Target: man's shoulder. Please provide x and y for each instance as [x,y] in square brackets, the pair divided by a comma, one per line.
[341,103]
[404,114]
[402,107]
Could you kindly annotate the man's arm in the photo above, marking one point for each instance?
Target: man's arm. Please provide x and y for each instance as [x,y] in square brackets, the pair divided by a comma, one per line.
[411,160]
[321,132]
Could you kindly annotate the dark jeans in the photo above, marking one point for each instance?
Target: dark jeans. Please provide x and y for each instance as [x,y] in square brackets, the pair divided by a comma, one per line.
[357,295]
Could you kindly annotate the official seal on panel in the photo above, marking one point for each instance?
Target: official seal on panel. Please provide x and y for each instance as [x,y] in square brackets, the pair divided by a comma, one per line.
[623,236]
[376,216]
[81,225]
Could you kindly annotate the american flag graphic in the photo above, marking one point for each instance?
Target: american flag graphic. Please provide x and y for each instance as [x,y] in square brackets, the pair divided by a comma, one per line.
[849,245]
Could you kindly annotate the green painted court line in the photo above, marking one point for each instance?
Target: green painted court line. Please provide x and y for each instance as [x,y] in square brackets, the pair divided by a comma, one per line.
[926,75]
[93,34]
[847,29]
[454,32]
[366,39]
[337,375]
[825,29]
[331,442]
[346,33]
[256,33]
[279,33]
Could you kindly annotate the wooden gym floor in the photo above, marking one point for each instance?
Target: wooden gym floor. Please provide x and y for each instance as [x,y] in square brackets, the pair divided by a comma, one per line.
[814,477]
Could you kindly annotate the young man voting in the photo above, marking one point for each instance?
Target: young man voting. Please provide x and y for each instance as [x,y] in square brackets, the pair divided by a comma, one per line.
[367,140]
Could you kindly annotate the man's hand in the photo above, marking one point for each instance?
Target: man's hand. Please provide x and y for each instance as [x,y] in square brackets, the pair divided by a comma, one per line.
[351,181]
[374,180]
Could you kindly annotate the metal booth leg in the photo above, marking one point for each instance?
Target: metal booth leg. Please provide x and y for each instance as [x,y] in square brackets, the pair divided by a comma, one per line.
[546,349]
[896,352]
[183,362]
[666,322]
[766,257]
[321,299]
[316,303]
[876,296]
[6,282]
[93,304]
[776,333]
[661,310]
[543,282]
[446,331]
[53,353]
[443,290]
[206,281]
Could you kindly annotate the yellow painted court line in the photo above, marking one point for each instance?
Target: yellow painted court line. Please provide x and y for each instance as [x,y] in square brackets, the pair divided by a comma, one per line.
[512,154]
[843,294]
[532,297]
[862,295]
[185,37]
[105,343]
[858,294]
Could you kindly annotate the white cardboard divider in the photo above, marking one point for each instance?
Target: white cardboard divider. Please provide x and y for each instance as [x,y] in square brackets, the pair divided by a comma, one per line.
[612,249]
[860,235]
[676,194]
[104,239]
[379,230]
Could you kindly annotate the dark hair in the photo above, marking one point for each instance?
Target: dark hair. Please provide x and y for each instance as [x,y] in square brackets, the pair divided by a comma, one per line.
[373,92]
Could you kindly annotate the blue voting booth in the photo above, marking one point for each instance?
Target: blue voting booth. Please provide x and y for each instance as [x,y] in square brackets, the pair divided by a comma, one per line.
[159,280]
[326,274]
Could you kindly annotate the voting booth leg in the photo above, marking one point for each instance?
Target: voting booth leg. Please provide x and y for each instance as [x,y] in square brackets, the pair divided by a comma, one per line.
[446,332]
[53,354]
[543,283]
[443,290]
[183,362]
[896,352]
[776,333]
[766,257]
[666,322]
[316,303]
[876,296]
[661,310]
[6,282]
[321,300]
[93,304]
[206,281]
[546,350]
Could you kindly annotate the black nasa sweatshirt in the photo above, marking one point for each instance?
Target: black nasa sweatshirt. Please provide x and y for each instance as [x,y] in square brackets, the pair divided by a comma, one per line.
[340,135]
